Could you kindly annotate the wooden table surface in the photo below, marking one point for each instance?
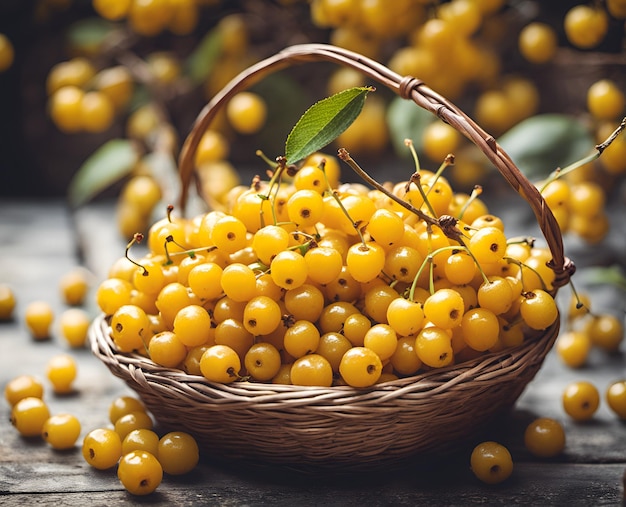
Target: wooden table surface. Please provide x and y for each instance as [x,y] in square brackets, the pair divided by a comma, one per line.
[40,241]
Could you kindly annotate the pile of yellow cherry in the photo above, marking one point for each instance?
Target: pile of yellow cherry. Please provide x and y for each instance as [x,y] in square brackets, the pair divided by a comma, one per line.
[302,280]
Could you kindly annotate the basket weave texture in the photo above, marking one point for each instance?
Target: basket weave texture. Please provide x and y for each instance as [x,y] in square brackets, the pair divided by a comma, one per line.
[343,427]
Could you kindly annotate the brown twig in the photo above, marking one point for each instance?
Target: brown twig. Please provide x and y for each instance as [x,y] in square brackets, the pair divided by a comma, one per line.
[607,142]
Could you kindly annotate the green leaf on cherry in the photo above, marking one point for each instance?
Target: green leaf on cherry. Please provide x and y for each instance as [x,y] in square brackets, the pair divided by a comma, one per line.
[202,60]
[107,165]
[323,122]
[542,143]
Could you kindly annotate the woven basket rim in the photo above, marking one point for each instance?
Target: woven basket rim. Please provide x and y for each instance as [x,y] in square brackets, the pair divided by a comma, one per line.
[485,368]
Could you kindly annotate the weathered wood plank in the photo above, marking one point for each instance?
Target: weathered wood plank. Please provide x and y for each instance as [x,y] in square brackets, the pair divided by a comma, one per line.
[531,484]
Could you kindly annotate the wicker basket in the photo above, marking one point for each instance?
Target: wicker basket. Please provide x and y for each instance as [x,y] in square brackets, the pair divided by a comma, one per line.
[343,427]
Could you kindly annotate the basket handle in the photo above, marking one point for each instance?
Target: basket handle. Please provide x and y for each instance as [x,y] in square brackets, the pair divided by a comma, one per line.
[407,87]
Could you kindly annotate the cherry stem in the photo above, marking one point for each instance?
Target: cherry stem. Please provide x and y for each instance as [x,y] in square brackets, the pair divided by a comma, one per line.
[304,247]
[262,211]
[511,260]
[480,268]
[446,223]
[266,159]
[260,267]
[579,303]
[556,174]
[167,253]
[606,143]
[431,277]
[515,322]
[345,212]
[170,209]
[447,162]
[276,176]
[312,238]
[192,251]
[137,238]
[416,179]
[418,274]
[345,156]
[409,144]
[322,166]
[429,259]
[476,191]
[521,240]
[170,239]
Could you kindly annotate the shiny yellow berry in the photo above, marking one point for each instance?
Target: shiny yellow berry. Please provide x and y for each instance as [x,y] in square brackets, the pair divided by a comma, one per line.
[262,361]
[581,400]
[123,405]
[39,316]
[538,42]
[491,462]
[29,415]
[140,472]
[573,348]
[246,112]
[74,324]
[61,431]
[74,286]
[538,309]
[360,367]
[585,25]
[220,363]
[544,437]
[606,331]
[23,386]
[132,421]
[61,371]
[312,370]
[178,453]
[102,448]
[141,439]
[605,100]
[65,108]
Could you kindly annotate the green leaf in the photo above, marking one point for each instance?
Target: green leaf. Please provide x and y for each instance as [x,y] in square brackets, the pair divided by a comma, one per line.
[201,61]
[406,120]
[107,165]
[544,142]
[323,122]
[89,33]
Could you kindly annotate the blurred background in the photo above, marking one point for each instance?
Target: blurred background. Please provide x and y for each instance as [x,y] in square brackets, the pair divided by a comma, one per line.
[154,63]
